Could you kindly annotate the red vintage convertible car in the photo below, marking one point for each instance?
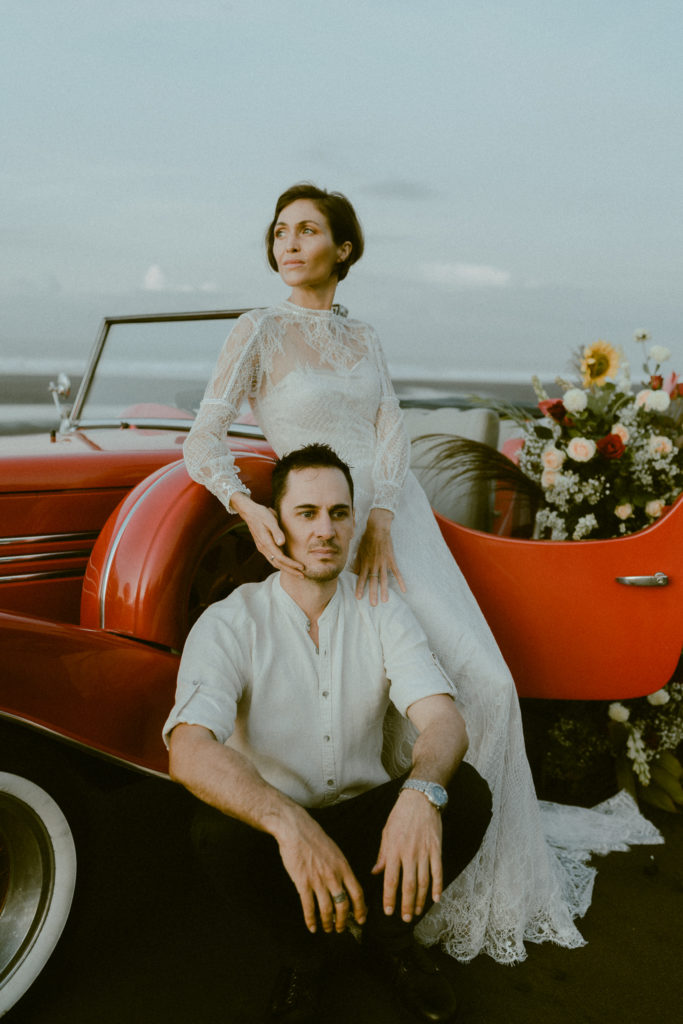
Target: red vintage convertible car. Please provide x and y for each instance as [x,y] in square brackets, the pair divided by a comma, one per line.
[108,552]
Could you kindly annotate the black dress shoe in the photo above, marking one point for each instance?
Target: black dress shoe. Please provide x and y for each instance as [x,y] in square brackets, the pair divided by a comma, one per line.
[418,982]
[295,998]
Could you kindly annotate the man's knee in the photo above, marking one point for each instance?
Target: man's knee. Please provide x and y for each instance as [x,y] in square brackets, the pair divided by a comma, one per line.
[466,818]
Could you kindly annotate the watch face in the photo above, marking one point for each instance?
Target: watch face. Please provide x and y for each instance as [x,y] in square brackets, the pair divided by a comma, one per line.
[435,793]
[438,795]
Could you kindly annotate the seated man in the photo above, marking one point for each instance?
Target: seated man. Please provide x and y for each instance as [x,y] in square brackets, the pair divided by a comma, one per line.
[277,727]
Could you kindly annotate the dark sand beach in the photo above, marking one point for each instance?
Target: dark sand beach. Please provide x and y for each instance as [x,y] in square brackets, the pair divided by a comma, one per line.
[146,942]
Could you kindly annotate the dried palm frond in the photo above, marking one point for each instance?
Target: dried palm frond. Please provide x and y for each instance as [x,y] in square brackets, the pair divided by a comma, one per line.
[463,461]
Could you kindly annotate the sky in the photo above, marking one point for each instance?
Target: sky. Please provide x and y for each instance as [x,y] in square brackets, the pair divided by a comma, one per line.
[516,167]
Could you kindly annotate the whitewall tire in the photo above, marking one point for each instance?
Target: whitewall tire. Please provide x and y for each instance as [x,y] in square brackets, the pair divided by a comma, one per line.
[37,880]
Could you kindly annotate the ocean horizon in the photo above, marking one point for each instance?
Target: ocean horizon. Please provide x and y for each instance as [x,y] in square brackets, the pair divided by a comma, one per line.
[27,406]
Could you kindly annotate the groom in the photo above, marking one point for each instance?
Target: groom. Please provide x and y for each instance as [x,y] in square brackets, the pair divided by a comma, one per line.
[277,728]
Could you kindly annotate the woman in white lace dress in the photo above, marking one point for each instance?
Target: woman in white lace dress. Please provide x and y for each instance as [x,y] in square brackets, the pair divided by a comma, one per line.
[312,375]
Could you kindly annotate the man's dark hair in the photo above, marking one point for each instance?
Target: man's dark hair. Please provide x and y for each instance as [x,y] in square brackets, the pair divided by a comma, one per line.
[340,215]
[313,456]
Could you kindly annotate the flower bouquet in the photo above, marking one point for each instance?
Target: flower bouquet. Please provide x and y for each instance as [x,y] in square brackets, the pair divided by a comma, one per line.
[602,460]
[641,738]
[607,458]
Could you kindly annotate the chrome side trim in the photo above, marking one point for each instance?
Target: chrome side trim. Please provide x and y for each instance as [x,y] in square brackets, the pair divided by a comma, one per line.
[106,569]
[55,574]
[50,538]
[45,556]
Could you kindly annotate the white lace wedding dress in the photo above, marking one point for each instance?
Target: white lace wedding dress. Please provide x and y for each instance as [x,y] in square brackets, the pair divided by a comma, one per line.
[315,376]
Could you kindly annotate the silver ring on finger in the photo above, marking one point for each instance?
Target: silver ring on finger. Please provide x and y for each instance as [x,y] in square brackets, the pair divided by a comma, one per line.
[373,575]
[340,897]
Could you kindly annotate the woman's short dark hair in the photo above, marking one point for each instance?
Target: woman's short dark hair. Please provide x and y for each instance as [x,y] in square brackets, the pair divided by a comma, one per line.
[341,217]
[313,456]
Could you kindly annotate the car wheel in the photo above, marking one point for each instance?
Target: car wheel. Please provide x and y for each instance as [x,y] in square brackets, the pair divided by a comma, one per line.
[231,560]
[37,880]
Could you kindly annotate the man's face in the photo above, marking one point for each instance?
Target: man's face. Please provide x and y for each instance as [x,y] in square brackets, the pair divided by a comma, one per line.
[316,517]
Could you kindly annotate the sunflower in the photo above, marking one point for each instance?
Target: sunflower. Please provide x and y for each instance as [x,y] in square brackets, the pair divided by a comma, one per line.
[600,361]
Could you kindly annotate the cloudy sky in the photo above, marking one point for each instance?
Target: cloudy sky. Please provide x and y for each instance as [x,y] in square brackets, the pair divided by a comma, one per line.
[516,165]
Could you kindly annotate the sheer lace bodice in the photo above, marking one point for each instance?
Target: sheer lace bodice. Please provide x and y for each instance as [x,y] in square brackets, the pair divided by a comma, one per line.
[313,376]
[308,374]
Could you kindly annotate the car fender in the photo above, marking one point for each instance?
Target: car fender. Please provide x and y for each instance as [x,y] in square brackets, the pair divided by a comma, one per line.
[144,567]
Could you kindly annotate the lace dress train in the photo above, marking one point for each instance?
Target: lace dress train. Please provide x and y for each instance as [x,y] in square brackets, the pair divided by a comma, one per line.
[314,376]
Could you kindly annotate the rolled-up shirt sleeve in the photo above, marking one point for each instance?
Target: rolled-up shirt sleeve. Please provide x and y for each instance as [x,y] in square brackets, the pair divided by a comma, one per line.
[411,667]
[211,679]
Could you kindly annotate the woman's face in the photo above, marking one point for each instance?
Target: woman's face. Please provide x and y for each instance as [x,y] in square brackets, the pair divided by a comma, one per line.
[304,249]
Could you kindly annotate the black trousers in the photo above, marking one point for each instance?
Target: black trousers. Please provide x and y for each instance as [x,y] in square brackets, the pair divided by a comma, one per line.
[247,871]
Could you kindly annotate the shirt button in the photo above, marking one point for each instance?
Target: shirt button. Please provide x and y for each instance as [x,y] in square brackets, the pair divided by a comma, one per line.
[330,782]
[327,739]
[326,693]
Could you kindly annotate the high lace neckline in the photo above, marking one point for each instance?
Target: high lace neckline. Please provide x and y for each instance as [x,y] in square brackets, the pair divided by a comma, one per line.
[324,314]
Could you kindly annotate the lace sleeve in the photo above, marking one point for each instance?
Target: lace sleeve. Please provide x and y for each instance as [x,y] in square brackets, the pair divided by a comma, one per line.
[392,454]
[208,458]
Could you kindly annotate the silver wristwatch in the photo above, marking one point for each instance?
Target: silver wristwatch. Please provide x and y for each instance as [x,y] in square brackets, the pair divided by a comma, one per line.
[435,793]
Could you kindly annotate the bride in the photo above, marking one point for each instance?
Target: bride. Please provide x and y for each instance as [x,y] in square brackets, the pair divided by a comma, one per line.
[312,375]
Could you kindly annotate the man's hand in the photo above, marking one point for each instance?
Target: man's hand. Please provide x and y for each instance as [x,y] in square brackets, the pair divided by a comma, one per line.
[410,851]
[320,871]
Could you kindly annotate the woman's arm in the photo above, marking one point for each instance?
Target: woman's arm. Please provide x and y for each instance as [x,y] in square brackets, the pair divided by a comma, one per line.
[206,451]
[375,559]
[207,454]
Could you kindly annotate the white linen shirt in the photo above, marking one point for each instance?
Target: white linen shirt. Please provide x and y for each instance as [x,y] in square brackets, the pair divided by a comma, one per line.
[310,720]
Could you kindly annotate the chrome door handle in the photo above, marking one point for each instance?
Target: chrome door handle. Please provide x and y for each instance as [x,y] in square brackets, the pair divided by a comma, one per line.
[659,579]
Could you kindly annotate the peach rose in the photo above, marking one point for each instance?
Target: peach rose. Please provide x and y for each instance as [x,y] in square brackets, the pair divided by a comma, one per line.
[621,431]
[552,457]
[624,511]
[581,449]
[654,508]
[659,445]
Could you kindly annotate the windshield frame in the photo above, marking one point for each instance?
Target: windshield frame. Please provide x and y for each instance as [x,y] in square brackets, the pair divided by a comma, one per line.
[75,420]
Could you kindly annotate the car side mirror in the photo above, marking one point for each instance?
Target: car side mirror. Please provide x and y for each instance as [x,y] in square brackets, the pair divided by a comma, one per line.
[59,389]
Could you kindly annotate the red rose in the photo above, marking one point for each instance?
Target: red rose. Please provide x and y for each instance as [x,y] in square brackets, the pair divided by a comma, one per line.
[553,407]
[656,382]
[611,446]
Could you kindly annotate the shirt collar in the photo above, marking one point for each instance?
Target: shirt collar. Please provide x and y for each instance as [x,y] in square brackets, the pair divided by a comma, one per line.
[288,602]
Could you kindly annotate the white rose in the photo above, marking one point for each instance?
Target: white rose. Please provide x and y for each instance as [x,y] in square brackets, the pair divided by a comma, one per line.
[552,457]
[581,449]
[658,697]
[621,431]
[654,401]
[654,508]
[659,353]
[575,400]
[659,401]
[659,445]
[618,713]
[624,511]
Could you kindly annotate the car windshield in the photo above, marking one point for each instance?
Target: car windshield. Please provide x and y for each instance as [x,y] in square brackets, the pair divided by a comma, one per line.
[151,369]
